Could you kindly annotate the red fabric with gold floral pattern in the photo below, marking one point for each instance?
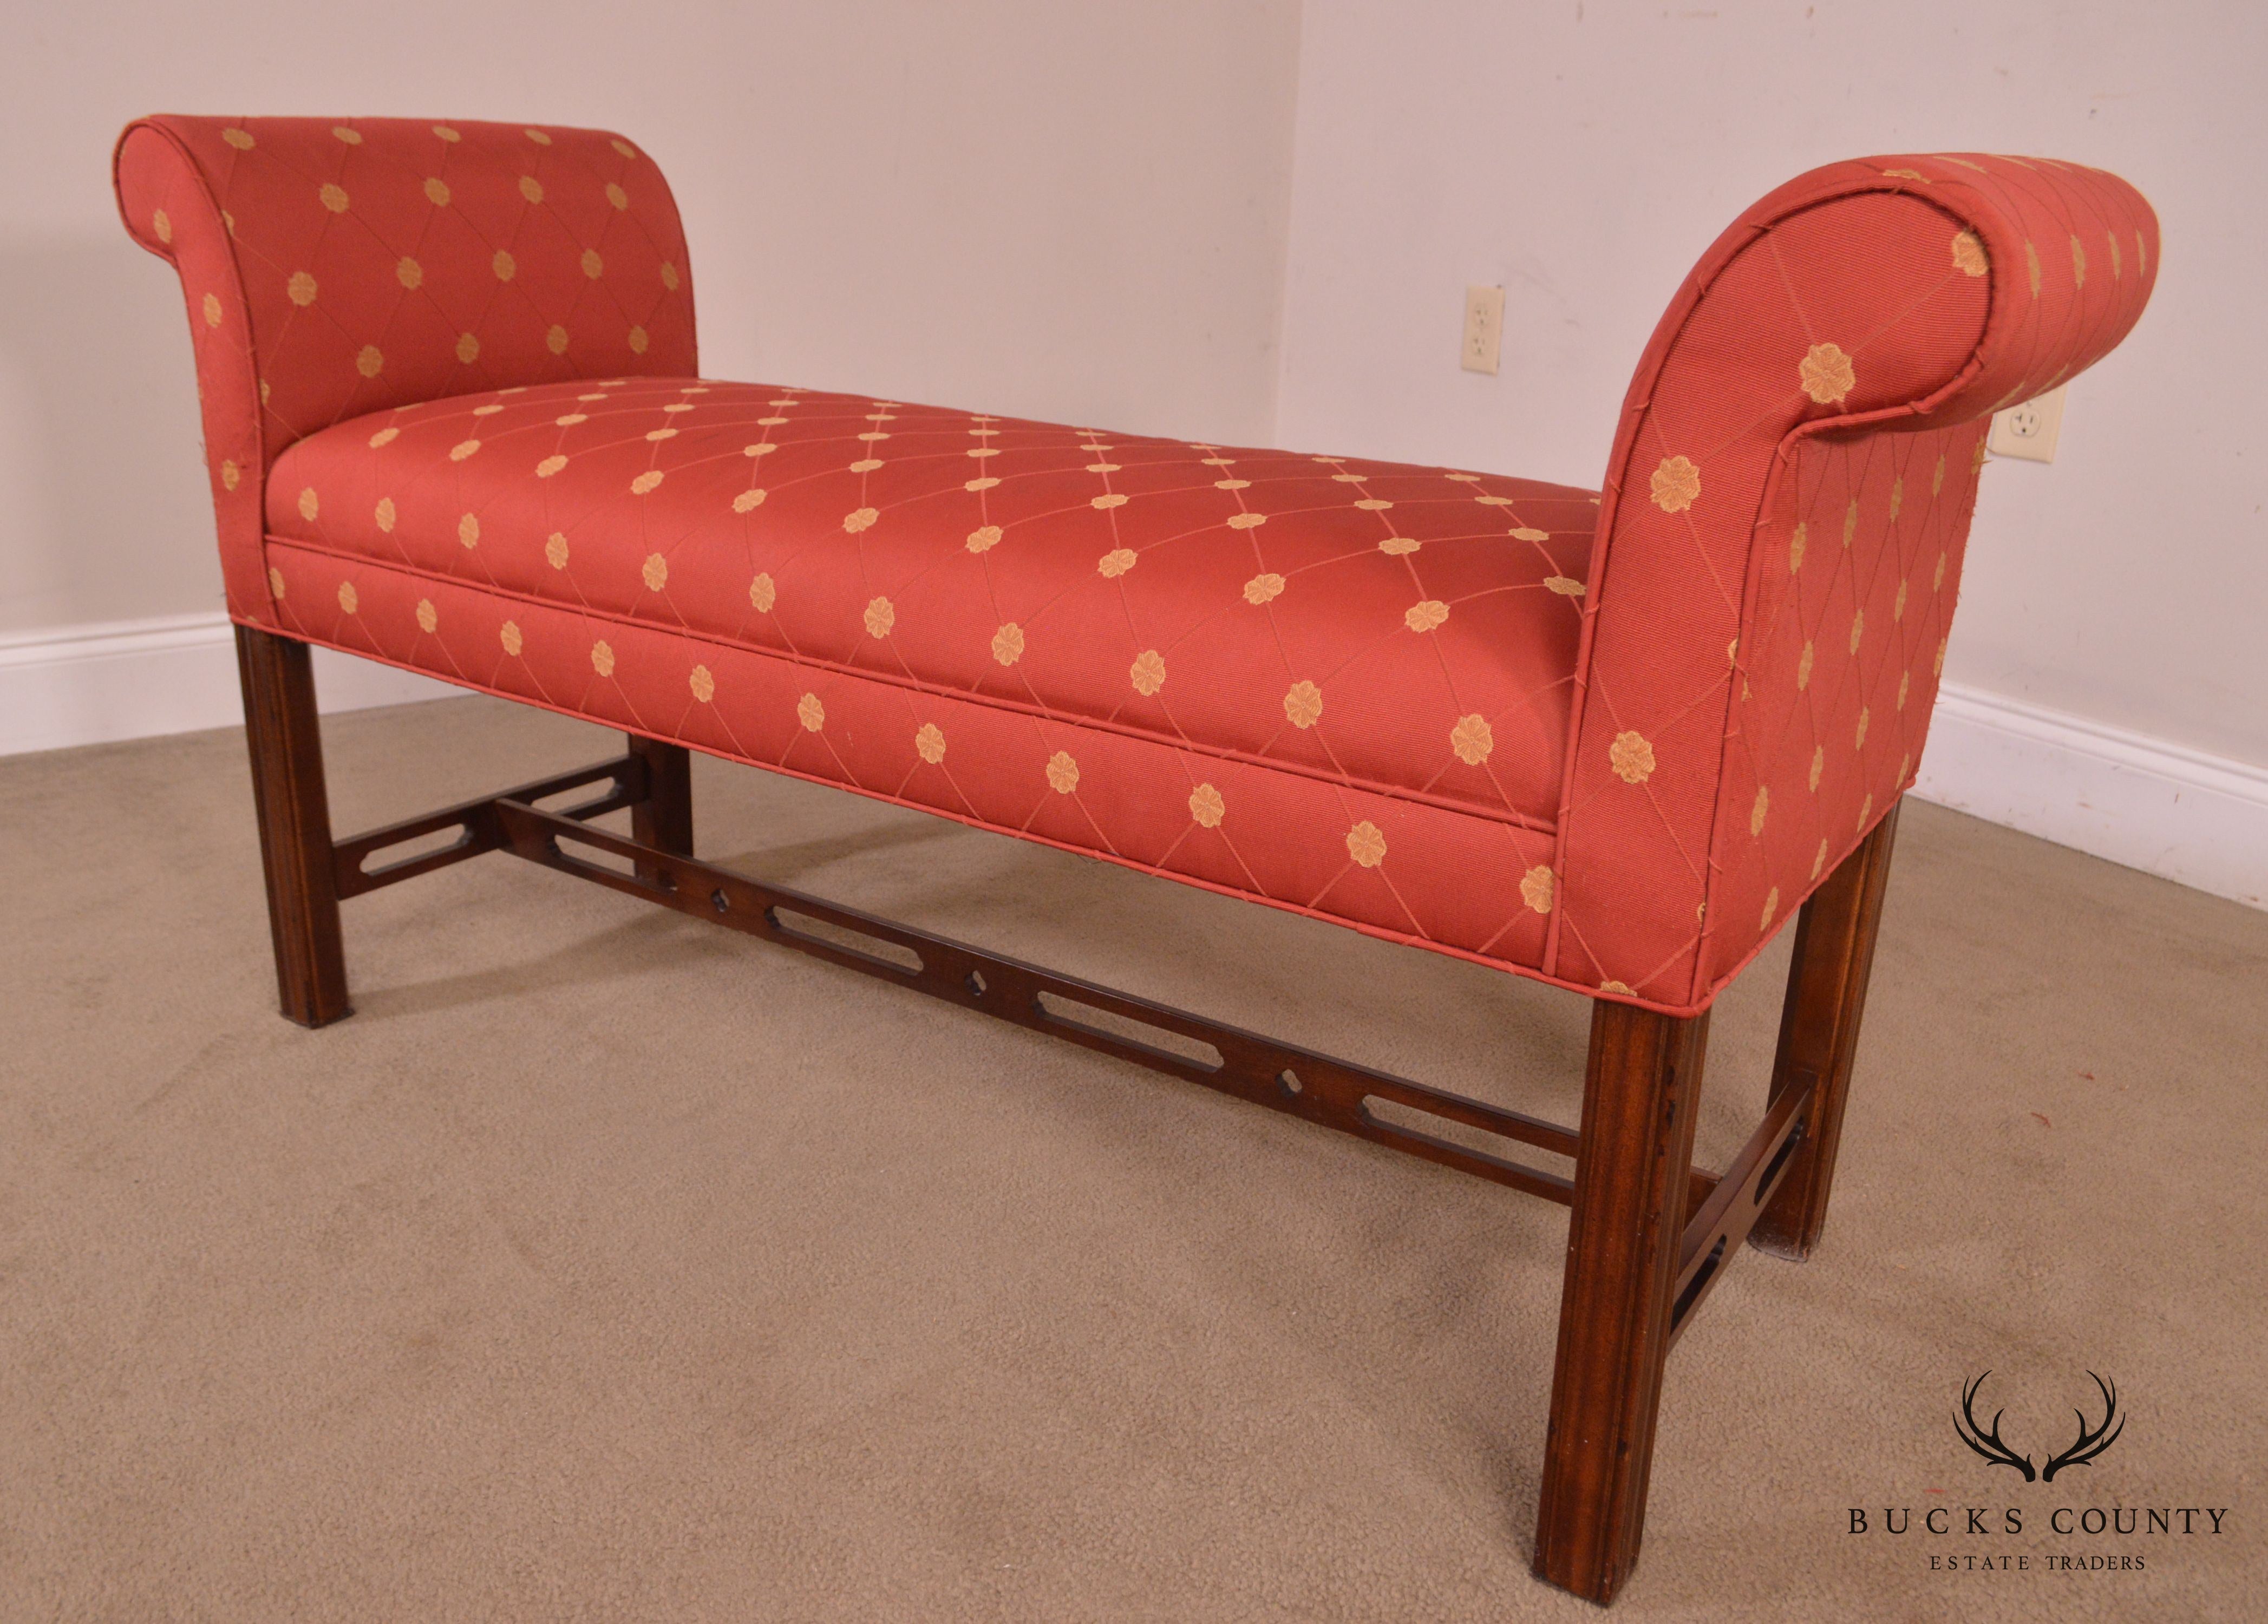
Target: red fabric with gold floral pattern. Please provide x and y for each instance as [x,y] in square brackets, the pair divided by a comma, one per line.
[1782,532]
[337,267]
[1405,631]
[1421,703]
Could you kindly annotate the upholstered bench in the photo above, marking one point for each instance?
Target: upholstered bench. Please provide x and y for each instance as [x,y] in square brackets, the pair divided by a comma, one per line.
[1613,740]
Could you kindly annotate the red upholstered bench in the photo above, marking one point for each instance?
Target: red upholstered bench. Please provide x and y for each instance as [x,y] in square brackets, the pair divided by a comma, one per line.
[1612,740]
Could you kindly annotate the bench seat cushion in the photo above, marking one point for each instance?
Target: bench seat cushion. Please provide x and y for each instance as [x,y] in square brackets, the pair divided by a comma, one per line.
[1336,685]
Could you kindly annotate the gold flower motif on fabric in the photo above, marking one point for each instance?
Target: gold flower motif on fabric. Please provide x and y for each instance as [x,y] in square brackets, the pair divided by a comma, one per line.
[1827,374]
[1535,889]
[1472,740]
[1677,484]
[1303,704]
[1632,757]
[1206,806]
[1366,844]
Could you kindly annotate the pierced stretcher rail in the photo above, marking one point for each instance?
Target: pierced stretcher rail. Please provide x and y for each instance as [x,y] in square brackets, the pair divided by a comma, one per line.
[1335,1093]
[1356,1100]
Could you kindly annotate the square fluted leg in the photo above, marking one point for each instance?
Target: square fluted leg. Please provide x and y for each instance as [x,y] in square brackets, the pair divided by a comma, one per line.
[288,796]
[1632,1180]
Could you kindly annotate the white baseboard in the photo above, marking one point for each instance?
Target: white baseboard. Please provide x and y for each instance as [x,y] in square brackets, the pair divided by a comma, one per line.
[2163,808]
[2201,819]
[89,685]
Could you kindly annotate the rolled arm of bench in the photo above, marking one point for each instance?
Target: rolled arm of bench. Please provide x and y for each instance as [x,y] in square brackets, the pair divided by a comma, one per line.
[335,267]
[1781,531]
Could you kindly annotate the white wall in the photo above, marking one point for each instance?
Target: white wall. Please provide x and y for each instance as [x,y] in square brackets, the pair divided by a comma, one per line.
[1074,211]
[1583,155]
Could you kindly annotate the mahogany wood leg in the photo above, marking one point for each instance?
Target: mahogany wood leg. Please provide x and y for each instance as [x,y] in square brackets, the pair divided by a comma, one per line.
[1819,1034]
[664,819]
[295,825]
[1631,1181]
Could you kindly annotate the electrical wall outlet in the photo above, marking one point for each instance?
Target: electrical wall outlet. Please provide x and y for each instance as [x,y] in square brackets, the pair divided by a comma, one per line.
[2029,430]
[1484,329]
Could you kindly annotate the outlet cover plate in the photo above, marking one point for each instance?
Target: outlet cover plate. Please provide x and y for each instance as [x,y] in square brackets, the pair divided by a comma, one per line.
[1484,329]
[2029,430]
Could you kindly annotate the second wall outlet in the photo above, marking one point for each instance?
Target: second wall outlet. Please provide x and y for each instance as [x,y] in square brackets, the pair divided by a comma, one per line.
[1483,328]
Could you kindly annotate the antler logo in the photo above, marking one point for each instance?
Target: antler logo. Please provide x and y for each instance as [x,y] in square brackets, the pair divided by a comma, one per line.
[1987,1442]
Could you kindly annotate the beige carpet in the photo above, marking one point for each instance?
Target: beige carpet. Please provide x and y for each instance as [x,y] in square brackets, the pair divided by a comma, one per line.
[606,1264]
